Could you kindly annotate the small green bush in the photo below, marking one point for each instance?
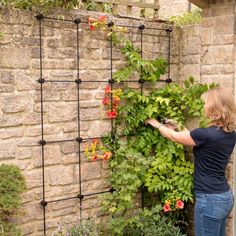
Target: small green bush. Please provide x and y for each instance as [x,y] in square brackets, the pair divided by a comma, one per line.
[188,18]
[152,222]
[86,227]
[12,185]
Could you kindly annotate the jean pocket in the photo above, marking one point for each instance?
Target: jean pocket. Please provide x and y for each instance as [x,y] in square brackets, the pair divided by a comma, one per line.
[219,209]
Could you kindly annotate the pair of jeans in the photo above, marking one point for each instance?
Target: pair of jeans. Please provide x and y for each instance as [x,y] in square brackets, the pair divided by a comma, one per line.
[211,212]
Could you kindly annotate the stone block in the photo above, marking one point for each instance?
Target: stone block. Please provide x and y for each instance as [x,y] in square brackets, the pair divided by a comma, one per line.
[206,36]
[61,53]
[60,175]
[32,212]
[33,178]
[15,103]
[59,112]
[91,54]
[191,70]
[95,64]
[89,171]
[90,114]
[7,120]
[223,25]
[190,59]
[99,128]
[7,77]
[218,55]
[6,87]
[72,158]
[69,147]
[15,57]
[25,81]
[6,133]
[222,11]
[7,149]
[221,39]
[23,153]
[52,156]
[31,119]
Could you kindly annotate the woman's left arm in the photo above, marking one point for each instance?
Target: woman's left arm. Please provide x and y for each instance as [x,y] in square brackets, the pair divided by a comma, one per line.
[182,137]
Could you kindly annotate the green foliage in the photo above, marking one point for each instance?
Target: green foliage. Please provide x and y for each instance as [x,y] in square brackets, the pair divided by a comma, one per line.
[86,227]
[12,185]
[46,5]
[149,70]
[40,5]
[146,222]
[191,17]
[151,222]
[146,157]
[93,6]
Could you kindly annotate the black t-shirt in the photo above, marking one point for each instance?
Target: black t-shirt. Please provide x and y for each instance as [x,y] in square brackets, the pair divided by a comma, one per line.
[211,155]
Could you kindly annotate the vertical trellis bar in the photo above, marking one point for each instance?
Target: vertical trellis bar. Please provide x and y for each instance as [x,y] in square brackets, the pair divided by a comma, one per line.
[169,44]
[111,24]
[79,139]
[141,81]
[42,142]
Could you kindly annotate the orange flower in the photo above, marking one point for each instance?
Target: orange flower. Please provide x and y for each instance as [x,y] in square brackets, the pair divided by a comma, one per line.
[179,204]
[112,114]
[92,20]
[105,101]
[95,141]
[166,207]
[107,89]
[102,18]
[116,101]
[107,156]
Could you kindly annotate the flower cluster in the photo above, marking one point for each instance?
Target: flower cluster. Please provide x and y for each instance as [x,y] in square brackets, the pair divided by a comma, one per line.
[115,94]
[95,150]
[97,23]
[179,204]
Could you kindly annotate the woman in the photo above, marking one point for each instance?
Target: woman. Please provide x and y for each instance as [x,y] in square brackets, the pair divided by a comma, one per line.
[213,147]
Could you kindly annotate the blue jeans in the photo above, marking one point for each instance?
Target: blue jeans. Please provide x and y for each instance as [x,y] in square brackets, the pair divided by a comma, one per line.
[210,213]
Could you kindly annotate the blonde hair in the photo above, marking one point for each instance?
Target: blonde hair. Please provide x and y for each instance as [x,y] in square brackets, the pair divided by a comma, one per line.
[220,108]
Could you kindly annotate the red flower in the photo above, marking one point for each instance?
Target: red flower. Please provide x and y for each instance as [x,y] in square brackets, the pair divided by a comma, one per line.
[180,204]
[107,89]
[166,207]
[105,101]
[112,114]
[102,18]
[92,27]
[107,156]
[95,157]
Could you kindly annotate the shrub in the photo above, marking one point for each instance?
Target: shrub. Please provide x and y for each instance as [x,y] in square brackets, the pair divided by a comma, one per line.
[192,17]
[12,185]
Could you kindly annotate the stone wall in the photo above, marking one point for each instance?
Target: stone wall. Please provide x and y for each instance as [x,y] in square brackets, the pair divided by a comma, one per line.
[20,120]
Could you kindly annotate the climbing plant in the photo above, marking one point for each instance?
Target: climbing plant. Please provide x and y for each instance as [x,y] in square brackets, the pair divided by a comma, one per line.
[144,157]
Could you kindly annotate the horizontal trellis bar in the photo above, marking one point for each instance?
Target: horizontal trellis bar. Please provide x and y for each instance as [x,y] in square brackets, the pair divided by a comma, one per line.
[106,81]
[40,16]
[79,196]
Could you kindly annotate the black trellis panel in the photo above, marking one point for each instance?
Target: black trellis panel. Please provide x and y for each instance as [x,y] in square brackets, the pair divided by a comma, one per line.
[78,82]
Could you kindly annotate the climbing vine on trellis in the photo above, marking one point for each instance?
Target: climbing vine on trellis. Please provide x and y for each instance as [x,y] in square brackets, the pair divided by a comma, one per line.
[144,157]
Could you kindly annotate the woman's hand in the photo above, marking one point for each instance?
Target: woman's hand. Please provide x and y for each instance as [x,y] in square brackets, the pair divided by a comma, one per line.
[152,122]
[171,124]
